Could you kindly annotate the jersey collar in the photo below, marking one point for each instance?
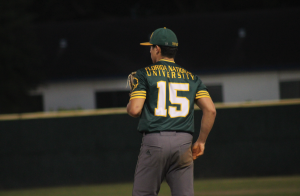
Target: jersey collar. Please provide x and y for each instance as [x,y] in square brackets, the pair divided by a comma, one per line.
[167,60]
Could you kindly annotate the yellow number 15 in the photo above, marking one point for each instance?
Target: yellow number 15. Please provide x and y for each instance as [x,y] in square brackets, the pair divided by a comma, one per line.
[174,99]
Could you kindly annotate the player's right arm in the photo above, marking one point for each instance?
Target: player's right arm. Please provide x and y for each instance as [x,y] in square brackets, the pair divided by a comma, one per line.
[208,118]
[135,106]
[138,95]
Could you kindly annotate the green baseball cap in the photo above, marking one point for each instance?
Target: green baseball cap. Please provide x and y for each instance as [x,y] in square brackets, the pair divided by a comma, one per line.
[162,37]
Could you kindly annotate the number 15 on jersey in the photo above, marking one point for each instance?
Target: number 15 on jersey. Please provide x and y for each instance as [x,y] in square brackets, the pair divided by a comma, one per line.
[184,103]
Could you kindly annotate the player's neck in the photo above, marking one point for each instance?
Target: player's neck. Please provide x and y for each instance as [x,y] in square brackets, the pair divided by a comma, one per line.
[165,58]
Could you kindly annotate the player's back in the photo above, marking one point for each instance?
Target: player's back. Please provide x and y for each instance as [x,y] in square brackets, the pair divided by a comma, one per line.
[170,91]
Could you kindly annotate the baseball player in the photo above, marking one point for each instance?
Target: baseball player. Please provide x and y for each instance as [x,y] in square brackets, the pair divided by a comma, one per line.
[163,96]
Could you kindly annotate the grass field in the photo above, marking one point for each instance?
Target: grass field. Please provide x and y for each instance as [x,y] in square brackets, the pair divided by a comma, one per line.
[239,186]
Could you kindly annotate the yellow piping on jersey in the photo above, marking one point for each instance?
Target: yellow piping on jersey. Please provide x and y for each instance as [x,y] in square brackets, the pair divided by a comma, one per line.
[143,97]
[136,92]
[202,96]
[139,94]
[167,60]
[202,93]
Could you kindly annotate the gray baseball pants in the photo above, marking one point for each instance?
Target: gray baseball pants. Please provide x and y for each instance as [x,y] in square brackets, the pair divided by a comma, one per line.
[165,155]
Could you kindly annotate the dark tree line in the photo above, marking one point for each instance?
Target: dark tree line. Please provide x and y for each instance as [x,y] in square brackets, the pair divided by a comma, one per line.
[20,61]
[19,58]
[58,10]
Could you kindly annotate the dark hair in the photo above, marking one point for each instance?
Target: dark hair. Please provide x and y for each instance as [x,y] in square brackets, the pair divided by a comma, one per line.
[168,51]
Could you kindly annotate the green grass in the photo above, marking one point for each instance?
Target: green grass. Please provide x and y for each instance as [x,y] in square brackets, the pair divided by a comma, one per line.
[286,186]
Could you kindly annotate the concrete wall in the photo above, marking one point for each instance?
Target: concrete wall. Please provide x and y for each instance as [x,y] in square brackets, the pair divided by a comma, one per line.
[237,87]
[246,86]
[254,86]
[77,94]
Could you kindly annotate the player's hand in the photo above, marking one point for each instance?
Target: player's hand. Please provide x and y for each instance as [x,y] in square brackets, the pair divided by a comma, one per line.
[198,149]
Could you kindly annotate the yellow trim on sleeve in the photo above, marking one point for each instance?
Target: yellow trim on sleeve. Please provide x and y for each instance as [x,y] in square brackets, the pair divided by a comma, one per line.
[143,97]
[202,96]
[138,92]
[202,91]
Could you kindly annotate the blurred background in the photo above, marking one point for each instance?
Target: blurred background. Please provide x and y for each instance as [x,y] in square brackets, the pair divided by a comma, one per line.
[64,55]
[74,56]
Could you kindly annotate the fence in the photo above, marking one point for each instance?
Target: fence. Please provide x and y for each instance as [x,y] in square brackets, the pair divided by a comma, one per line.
[101,146]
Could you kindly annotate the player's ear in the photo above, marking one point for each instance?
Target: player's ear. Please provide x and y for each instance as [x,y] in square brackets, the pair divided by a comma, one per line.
[158,49]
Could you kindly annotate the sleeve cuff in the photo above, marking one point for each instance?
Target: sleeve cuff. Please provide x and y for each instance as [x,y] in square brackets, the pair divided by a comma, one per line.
[202,94]
[138,94]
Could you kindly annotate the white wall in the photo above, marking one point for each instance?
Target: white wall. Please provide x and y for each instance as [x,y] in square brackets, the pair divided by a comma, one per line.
[77,95]
[237,87]
[289,76]
[246,86]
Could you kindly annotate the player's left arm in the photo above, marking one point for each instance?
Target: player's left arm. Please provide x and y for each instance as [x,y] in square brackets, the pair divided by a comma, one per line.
[135,106]
[209,114]
[205,103]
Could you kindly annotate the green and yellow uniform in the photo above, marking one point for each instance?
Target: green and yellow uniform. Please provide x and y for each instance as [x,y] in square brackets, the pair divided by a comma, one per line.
[166,119]
[170,92]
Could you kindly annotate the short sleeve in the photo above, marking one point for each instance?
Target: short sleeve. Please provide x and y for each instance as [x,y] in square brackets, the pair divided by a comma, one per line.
[201,90]
[140,86]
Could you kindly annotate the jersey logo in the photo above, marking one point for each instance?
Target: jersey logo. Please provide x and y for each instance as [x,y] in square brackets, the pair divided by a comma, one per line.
[135,83]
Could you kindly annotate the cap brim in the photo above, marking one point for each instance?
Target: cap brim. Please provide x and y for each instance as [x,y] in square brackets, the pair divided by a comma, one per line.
[146,44]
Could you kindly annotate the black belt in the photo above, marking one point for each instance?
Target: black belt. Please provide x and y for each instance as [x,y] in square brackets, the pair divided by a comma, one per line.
[146,133]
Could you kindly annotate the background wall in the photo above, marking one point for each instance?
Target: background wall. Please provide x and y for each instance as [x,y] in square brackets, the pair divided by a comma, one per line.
[237,87]
[245,141]
[77,94]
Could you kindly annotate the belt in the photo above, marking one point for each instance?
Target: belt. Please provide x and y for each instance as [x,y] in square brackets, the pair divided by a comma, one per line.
[146,133]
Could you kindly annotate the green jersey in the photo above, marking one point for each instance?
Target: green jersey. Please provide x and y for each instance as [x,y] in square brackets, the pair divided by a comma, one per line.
[170,92]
